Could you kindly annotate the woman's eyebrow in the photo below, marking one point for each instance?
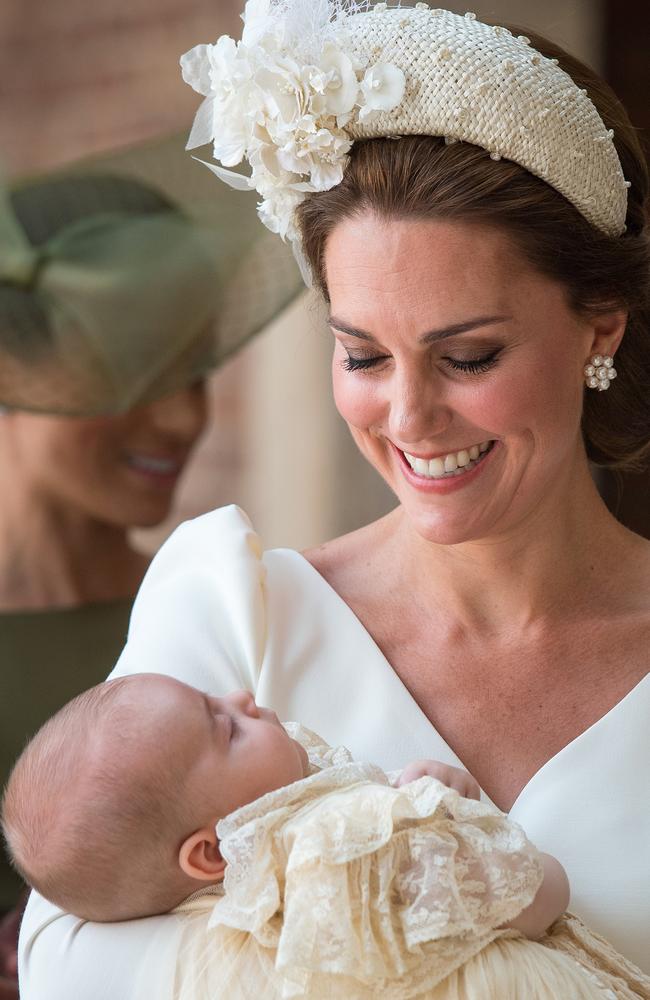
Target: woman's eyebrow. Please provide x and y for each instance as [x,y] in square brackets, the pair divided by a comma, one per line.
[426,338]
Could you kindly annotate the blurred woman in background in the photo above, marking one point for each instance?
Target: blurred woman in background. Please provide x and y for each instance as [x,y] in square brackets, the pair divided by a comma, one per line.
[113,306]
[73,486]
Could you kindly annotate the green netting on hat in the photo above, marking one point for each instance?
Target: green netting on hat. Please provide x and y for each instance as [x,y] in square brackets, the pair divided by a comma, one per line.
[126,278]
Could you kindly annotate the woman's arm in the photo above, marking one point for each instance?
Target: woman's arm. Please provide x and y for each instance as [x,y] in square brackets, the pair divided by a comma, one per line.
[200,616]
[61,957]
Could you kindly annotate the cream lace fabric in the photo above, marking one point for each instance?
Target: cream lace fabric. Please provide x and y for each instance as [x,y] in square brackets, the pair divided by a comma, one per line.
[342,886]
[342,878]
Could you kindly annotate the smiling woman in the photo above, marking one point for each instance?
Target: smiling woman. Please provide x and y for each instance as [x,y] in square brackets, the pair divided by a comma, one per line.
[422,403]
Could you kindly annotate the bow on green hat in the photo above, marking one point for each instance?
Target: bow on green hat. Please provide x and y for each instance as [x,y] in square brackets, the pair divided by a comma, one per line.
[111,295]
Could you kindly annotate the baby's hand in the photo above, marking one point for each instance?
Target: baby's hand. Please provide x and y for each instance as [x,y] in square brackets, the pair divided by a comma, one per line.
[453,777]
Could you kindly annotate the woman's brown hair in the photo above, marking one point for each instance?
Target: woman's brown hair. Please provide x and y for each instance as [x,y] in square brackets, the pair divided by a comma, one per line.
[422,177]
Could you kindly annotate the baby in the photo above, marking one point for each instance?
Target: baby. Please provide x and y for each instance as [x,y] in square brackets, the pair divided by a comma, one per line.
[111,812]
[144,790]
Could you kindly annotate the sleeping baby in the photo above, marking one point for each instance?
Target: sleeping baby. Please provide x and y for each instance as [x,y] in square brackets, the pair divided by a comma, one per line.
[297,871]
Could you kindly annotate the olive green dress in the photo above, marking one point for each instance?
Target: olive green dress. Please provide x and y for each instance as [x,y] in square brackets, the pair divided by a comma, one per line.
[46,658]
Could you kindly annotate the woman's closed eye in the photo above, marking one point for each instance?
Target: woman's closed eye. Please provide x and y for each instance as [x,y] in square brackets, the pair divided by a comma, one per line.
[470,366]
[473,366]
[355,364]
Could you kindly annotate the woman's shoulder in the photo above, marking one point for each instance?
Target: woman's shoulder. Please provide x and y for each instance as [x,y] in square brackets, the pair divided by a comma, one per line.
[227,530]
[344,562]
[200,614]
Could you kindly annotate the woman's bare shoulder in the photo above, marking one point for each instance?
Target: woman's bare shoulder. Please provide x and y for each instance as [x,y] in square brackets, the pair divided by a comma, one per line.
[343,560]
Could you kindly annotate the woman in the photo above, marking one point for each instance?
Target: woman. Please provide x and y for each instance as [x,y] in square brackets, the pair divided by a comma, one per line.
[107,307]
[497,618]
[75,486]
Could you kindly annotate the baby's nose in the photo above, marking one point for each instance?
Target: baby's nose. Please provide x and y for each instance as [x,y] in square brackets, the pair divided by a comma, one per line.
[244,701]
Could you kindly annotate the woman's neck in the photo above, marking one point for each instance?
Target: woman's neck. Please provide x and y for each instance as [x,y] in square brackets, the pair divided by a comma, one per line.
[52,555]
[562,559]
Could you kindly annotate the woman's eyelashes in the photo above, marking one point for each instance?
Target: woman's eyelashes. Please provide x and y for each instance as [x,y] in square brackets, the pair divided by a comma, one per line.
[469,366]
[352,364]
[473,366]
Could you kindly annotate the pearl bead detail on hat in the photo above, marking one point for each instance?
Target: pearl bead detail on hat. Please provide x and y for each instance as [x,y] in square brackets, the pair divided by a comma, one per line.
[454,61]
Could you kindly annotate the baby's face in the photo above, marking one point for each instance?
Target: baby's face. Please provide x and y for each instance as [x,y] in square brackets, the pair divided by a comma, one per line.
[235,750]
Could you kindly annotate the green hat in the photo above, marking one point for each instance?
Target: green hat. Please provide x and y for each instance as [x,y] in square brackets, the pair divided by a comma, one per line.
[128,277]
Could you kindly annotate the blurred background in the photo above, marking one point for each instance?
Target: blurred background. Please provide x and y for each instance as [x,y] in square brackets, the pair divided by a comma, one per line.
[81,79]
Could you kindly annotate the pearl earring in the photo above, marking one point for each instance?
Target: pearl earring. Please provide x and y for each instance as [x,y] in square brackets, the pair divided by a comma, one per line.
[600,372]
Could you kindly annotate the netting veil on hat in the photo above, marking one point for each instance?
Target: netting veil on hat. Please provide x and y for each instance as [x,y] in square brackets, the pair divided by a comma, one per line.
[310,77]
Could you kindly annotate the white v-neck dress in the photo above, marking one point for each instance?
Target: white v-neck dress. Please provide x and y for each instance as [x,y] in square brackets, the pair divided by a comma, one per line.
[218,613]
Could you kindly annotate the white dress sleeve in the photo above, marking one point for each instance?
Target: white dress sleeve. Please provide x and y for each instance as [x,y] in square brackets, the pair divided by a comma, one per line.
[200,616]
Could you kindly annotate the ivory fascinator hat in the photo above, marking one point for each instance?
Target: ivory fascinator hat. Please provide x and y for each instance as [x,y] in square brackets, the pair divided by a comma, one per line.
[310,77]
[123,279]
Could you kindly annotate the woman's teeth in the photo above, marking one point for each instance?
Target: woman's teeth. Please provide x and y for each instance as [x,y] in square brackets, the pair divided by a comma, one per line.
[453,464]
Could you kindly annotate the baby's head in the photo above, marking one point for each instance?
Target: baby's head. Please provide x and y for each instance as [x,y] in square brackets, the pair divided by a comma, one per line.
[111,810]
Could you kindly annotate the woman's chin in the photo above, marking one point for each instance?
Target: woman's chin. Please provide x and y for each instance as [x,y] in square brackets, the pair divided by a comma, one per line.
[445,528]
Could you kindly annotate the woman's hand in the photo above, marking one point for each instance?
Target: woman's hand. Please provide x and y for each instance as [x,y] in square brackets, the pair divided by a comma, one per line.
[453,777]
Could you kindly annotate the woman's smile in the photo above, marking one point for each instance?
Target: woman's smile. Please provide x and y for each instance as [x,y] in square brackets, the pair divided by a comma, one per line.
[448,472]
[419,406]
[158,471]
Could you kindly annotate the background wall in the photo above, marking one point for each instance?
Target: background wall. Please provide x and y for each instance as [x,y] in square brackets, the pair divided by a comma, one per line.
[79,77]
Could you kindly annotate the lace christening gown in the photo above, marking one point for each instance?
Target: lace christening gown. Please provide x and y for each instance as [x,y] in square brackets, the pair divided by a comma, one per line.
[344,886]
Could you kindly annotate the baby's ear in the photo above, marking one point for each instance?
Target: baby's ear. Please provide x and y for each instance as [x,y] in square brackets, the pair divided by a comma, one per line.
[200,857]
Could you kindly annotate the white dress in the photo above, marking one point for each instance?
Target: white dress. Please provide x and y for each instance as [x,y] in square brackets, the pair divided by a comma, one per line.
[217,613]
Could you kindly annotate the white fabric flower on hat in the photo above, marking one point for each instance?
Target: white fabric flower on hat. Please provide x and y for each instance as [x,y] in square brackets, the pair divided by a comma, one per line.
[276,211]
[336,82]
[195,69]
[281,99]
[383,88]
[285,95]
[219,72]
[321,154]
[256,22]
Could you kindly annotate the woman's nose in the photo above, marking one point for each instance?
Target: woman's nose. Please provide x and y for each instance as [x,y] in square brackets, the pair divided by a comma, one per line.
[243,701]
[418,412]
[181,415]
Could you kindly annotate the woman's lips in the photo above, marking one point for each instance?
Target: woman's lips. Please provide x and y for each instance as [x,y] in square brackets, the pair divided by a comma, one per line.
[445,478]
